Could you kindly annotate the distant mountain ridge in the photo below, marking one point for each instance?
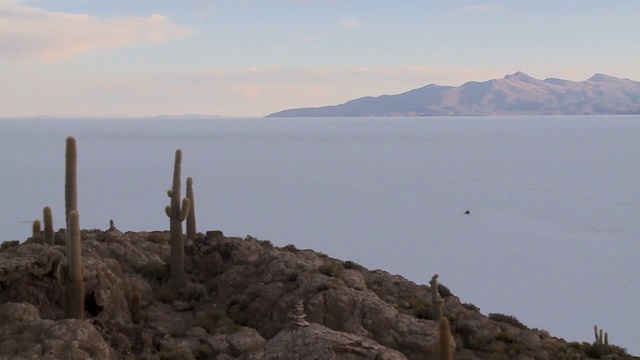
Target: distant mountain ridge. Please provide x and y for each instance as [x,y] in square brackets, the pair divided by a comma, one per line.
[515,94]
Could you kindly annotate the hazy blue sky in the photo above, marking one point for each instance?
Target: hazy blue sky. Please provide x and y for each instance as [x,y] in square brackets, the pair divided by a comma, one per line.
[250,58]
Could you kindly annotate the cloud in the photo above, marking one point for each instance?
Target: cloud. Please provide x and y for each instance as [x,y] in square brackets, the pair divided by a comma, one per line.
[250,91]
[349,23]
[29,33]
[249,70]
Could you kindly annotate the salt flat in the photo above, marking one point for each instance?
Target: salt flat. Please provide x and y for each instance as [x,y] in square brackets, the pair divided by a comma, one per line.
[552,234]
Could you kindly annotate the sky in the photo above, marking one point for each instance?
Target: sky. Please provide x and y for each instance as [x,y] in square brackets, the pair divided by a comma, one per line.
[255,57]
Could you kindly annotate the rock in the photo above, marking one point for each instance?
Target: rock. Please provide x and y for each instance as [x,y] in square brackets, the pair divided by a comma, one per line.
[105,290]
[246,340]
[12,312]
[319,343]
[25,336]
[34,259]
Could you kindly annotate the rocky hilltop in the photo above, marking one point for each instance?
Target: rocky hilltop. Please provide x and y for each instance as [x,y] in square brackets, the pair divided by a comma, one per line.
[244,299]
[515,94]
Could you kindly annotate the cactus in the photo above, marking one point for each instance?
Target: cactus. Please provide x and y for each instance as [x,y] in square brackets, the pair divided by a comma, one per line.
[136,307]
[48,226]
[70,181]
[443,339]
[177,214]
[601,340]
[191,218]
[35,228]
[436,301]
[71,273]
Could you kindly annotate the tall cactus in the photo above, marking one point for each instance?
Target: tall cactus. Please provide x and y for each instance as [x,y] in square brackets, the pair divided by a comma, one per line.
[443,339]
[177,214]
[436,300]
[191,218]
[48,226]
[70,180]
[71,273]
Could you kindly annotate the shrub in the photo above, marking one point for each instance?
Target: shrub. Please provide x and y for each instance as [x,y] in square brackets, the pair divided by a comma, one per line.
[215,321]
[470,306]
[176,354]
[444,291]
[507,319]
[211,285]
[225,250]
[600,351]
[266,244]
[158,237]
[202,351]
[330,269]
[352,265]
[291,248]
[8,244]
[155,271]
[290,286]
[193,292]
[166,293]
[423,313]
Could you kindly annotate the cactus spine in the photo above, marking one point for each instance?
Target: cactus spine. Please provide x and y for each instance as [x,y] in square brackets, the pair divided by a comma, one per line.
[73,287]
[70,181]
[436,300]
[443,339]
[191,218]
[177,213]
[36,228]
[48,226]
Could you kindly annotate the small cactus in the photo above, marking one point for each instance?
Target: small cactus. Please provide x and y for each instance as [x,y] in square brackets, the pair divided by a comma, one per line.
[191,218]
[36,228]
[48,226]
[177,213]
[136,307]
[72,273]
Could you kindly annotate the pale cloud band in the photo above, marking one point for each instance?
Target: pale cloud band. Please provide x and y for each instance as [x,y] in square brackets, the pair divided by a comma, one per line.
[35,34]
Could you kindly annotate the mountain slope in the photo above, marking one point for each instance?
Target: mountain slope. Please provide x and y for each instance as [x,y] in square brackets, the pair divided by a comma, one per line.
[516,94]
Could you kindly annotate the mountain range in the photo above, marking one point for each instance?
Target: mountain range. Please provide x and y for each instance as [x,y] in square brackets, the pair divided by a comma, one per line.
[515,94]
